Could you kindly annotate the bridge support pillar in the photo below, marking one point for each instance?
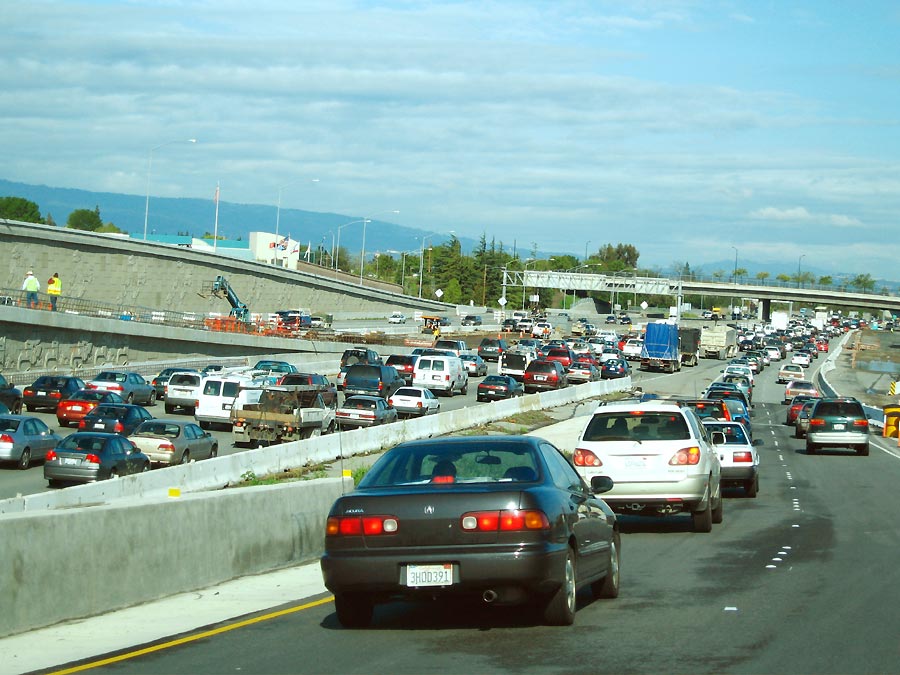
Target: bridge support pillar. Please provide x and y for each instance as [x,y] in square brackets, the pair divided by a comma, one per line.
[766,311]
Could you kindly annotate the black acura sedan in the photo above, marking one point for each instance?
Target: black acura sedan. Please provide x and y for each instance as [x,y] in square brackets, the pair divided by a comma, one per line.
[499,519]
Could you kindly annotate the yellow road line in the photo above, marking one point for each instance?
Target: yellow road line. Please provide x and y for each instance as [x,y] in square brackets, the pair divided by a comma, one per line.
[192,638]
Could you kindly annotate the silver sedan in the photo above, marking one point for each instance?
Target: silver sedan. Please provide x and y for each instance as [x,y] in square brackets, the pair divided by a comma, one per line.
[168,442]
[24,438]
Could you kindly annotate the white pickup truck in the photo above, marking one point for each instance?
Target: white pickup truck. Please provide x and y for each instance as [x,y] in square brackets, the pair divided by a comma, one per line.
[632,349]
[271,415]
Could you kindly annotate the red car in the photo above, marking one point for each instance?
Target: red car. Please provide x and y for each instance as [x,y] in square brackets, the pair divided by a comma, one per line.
[794,408]
[73,409]
[562,355]
[544,375]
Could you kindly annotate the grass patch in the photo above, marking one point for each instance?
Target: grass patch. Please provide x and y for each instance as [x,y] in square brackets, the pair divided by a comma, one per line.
[312,472]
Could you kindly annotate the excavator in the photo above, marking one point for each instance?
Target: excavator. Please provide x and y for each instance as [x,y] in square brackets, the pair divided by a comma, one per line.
[222,289]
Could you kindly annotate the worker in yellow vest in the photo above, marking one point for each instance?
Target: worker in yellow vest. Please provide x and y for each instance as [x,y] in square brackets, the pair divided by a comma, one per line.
[54,288]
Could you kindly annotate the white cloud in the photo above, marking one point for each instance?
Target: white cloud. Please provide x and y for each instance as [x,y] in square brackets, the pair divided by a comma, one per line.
[797,213]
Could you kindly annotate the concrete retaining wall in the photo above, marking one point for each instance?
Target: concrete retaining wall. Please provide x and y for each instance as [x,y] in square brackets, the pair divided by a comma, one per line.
[66,564]
[94,548]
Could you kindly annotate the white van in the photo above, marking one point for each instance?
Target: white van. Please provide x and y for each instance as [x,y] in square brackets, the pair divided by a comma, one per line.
[441,373]
[513,362]
[216,398]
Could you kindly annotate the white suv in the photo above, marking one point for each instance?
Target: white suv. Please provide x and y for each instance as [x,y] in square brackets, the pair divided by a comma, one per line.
[660,457]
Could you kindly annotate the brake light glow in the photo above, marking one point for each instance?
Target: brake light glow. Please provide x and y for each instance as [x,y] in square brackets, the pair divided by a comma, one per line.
[114,387]
[50,456]
[56,394]
[686,457]
[28,392]
[742,456]
[816,422]
[6,438]
[119,428]
[361,525]
[861,423]
[91,459]
[165,447]
[584,457]
[504,521]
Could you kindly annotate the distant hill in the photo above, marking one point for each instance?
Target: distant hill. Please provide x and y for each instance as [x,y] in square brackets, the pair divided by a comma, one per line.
[196,216]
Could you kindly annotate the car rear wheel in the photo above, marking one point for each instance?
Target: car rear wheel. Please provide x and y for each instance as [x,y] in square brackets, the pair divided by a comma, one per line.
[146,467]
[185,458]
[560,609]
[810,448]
[718,513]
[751,487]
[17,408]
[354,610]
[129,398]
[608,587]
[863,450]
[169,409]
[702,520]
[214,452]
[25,459]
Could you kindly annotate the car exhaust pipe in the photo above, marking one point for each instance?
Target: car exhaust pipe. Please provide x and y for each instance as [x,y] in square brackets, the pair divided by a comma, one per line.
[489,596]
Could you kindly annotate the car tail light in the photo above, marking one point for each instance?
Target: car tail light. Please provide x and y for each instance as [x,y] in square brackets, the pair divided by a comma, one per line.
[56,394]
[443,479]
[90,385]
[418,404]
[165,447]
[742,456]
[861,423]
[504,521]
[686,457]
[28,392]
[584,457]
[82,423]
[361,525]
[816,422]
[115,387]
[50,456]
[119,428]
[6,438]
[91,459]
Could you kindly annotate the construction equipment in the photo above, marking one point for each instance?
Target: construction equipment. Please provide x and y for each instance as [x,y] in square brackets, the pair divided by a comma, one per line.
[222,289]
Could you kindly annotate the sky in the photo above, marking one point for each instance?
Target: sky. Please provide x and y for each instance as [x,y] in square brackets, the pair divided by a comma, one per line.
[697,131]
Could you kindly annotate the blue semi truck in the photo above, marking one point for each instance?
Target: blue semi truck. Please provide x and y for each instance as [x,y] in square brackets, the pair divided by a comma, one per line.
[661,350]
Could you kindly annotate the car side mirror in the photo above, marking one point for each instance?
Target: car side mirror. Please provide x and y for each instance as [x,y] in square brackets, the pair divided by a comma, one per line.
[601,484]
[718,438]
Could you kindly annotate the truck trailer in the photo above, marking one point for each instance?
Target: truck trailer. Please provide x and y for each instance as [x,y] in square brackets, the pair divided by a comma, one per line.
[660,350]
[718,342]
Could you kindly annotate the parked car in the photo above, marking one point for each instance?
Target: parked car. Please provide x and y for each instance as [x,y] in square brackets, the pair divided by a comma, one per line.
[543,375]
[24,439]
[129,385]
[499,387]
[322,384]
[73,409]
[614,368]
[48,390]
[559,536]
[162,379]
[796,387]
[474,364]
[397,318]
[838,422]
[738,456]
[168,442]
[661,459]
[364,411]
[471,320]
[414,402]
[10,396]
[114,418]
[490,349]
[182,391]
[85,457]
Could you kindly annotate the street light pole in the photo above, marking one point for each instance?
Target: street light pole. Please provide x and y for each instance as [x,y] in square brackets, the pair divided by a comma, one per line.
[149,166]
[734,275]
[798,269]
[586,244]
[422,261]
[362,255]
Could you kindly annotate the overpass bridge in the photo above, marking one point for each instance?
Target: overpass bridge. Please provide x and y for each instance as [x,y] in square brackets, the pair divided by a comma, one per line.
[833,298]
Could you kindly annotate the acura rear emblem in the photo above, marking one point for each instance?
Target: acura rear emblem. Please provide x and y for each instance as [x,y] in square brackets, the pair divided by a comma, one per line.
[429,510]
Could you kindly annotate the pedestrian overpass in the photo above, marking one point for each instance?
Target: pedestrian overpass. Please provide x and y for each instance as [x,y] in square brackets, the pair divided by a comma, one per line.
[629,283]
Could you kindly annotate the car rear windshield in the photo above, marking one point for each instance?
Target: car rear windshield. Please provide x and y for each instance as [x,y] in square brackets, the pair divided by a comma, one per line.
[185,379]
[495,380]
[109,411]
[409,391]
[454,463]
[353,356]
[839,409]
[734,433]
[359,403]
[110,377]
[431,364]
[158,429]
[517,361]
[8,424]
[400,360]
[541,367]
